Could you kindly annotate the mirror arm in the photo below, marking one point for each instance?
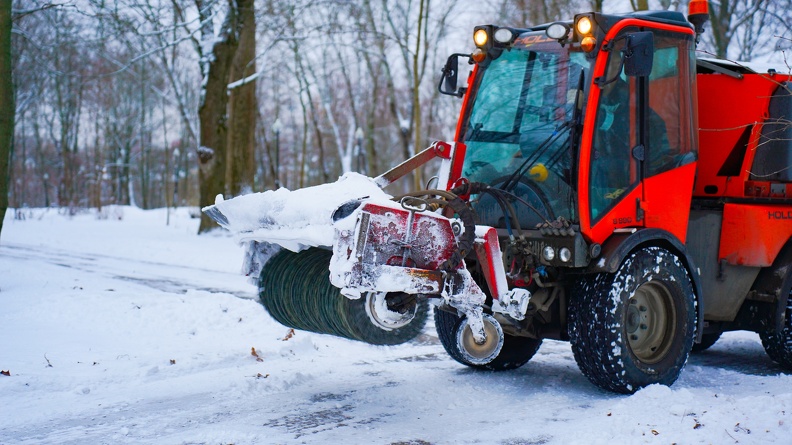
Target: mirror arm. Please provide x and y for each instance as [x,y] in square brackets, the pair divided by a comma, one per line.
[603,80]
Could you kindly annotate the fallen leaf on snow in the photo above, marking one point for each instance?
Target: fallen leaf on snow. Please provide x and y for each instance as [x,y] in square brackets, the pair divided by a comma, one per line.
[255,354]
[6,373]
[289,335]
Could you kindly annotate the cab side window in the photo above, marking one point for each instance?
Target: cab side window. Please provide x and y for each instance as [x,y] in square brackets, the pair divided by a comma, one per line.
[668,141]
[613,169]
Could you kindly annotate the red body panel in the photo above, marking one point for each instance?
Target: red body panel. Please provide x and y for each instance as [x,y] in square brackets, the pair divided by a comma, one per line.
[490,257]
[752,235]
[668,197]
[460,148]
[622,215]
[730,115]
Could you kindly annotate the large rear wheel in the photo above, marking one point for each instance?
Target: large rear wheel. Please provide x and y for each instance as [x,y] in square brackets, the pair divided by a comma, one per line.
[635,327]
[778,345]
[452,330]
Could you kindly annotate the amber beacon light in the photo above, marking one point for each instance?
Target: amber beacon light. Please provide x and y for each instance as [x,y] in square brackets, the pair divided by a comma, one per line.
[698,14]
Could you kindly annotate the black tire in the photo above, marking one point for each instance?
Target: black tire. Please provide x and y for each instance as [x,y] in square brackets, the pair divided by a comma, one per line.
[635,327]
[516,351]
[707,340]
[778,345]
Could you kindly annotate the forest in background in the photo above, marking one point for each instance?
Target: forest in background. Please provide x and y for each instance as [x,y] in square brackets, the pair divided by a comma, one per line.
[157,103]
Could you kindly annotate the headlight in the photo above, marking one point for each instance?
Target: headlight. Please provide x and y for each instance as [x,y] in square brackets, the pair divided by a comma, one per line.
[557,31]
[584,26]
[565,254]
[503,35]
[548,253]
[480,37]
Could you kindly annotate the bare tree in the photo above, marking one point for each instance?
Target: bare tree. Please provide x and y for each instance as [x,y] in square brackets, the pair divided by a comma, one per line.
[7,107]
[216,57]
[241,165]
[746,22]
[535,12]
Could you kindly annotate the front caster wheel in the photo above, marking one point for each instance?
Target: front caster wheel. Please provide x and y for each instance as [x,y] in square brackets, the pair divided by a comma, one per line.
[457,340]
[635,327]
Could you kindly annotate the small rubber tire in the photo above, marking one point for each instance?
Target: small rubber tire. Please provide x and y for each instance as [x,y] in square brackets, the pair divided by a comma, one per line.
[516,351]
[635,327]
[707,340]
[778,345]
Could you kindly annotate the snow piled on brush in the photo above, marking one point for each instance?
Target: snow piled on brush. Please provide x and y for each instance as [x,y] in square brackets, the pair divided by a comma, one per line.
[125,330]
[296,219]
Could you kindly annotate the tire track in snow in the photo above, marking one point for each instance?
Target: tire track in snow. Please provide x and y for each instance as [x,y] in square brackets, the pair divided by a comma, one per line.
[181,278]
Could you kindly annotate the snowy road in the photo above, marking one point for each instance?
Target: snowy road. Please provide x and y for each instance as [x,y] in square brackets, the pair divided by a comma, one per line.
[134,332]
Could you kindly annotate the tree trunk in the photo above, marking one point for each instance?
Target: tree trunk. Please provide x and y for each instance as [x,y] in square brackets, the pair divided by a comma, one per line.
[721,17]
[416,93]
[241,160]
[212,115]
[7,107]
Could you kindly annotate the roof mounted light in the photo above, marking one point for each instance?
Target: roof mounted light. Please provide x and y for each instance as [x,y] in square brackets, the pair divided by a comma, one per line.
[480,37]
[698,14]
[503,35]
[557,31]
[698,7]
[584,26]
[588,44]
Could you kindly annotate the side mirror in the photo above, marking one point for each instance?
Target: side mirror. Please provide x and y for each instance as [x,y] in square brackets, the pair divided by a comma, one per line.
[638,54]
[451,73]
[448,83]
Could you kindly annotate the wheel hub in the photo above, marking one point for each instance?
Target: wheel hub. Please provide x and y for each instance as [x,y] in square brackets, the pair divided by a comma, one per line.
[484,352]
[650,320]
[383,317]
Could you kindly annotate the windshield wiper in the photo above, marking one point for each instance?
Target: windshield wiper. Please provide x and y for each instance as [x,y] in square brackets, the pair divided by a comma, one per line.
[576,114]
[572,125]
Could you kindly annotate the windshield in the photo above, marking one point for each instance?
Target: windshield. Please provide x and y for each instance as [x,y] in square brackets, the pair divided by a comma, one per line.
[519,129]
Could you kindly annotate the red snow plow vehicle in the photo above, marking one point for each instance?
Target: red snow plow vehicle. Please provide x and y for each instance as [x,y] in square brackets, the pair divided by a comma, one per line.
[605,187]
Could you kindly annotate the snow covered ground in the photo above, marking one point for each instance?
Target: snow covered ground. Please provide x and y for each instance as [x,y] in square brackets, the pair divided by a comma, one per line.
[130,331]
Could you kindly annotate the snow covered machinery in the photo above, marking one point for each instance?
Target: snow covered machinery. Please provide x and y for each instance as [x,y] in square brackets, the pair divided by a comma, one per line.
[605,187]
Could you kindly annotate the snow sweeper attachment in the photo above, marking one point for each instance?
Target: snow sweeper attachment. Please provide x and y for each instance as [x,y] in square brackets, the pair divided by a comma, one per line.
[348,260]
